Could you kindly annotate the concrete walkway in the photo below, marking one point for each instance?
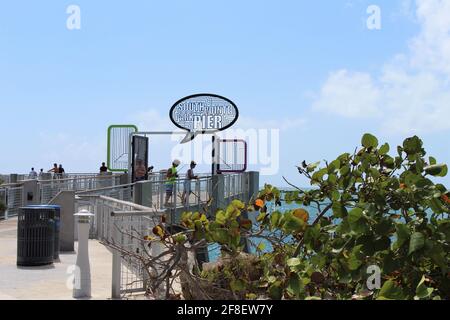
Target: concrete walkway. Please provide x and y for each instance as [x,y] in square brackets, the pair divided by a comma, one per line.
[48,283]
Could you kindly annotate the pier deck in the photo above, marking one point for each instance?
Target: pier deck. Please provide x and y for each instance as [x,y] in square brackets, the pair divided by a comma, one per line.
[48,283]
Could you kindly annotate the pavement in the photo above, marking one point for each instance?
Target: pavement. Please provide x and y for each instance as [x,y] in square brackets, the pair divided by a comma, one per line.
[50,282]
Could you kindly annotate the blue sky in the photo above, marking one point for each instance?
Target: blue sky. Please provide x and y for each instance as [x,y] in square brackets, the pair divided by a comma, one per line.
[310,63]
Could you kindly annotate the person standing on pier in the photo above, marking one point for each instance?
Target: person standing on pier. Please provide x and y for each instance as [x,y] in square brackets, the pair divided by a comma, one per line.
[32,175]
[103,168]
[54,170]
[61,171]
[188,183]
[172,175]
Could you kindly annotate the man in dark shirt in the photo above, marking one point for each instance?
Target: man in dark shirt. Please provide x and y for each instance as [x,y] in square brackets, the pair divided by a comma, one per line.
[61,171]
[188,183]
[103,168]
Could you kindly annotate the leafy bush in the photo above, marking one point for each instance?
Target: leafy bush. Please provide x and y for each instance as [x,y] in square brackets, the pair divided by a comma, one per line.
[374,209]
[372,212]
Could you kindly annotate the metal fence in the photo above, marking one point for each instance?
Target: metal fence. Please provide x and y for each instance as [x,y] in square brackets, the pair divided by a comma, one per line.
[184,193]
[13,195]
[234,185]
[120,192]
[14,201]
[123,225]
[50,188]
[3,200]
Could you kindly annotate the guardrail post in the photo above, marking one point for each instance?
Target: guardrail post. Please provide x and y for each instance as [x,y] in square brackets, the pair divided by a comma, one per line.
[30,193]
[143,193]
[218,193]
[253,184]
[66,200]
[116,265]
[83,288]
[13,178]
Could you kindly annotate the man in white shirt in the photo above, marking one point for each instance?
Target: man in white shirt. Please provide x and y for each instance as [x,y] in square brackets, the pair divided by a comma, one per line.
[32,175]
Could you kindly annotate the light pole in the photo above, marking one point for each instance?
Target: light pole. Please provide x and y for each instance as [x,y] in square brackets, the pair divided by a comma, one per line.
[82,287]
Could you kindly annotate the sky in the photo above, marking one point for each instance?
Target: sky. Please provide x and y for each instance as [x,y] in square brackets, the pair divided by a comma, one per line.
[311,69]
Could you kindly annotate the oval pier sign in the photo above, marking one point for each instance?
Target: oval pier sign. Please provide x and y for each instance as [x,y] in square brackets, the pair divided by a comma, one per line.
[203,113]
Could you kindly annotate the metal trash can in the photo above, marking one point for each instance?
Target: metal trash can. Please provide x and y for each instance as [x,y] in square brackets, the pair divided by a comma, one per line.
[35,236]
[57,226]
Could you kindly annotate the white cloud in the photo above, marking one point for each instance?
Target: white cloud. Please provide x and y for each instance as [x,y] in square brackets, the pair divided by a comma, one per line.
[431,49]
[349,94]
[152,120]
[412,94]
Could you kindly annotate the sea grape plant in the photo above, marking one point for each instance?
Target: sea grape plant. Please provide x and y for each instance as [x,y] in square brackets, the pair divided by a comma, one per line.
[366,210]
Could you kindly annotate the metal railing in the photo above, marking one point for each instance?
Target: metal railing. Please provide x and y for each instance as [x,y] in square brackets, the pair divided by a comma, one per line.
[3,201]
[14,197]
[50,188]
[121,226]
[234,185]
[14,201]
[185,193]
[72,175]
[157,190]
[122,192]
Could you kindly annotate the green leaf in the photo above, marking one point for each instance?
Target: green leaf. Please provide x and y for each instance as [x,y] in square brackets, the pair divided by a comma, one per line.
[355,260]
[294,262]
[369,141]
[275,291]
[339,210]
[332,179]
[335,195]
[293,224]
[422,291]
[357,221]
[385,148]
[238,204]
[355,215]
[275,219]
[312,167]
[295,286]
[412,145]
[221,236]
[437,170]
[237,285]
[335,165]
[438,255]
[390,291]
[416,243]
[220,217]
[403,235]
[318,176]
[261,217]
[345,170]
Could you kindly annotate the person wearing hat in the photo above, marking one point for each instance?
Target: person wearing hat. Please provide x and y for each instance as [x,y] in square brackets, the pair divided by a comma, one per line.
[188,182]
[172,175]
